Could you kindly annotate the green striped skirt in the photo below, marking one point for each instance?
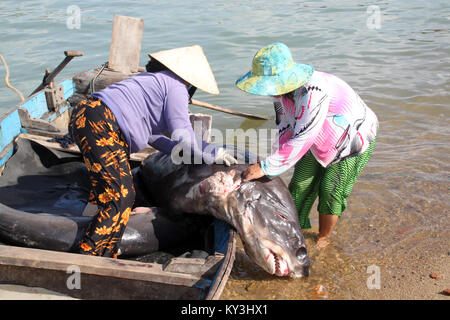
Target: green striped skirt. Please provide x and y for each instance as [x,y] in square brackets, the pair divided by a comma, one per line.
[332,184]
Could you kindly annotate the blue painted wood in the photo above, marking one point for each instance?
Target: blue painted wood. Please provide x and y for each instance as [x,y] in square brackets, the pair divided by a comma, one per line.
[36,105]
[60,111]
[6,157]
[68,88]
[10,126]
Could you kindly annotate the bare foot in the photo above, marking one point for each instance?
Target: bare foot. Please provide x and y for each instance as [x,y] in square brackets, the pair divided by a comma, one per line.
[139,210]
[322,242]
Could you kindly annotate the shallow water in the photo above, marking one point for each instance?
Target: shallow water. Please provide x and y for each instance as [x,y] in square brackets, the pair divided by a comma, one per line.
[398,217]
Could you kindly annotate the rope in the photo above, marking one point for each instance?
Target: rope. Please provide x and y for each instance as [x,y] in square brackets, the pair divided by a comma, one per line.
[7,79]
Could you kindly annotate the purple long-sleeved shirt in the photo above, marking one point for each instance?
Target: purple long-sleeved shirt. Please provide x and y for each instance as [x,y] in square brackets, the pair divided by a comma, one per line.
[150,104]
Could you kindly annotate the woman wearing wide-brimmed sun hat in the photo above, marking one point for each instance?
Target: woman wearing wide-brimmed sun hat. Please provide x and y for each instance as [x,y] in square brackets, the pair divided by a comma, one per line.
[126,116]
[325,130]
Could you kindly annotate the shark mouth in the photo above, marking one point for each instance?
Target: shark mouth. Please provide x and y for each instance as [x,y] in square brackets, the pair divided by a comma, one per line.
[276,264]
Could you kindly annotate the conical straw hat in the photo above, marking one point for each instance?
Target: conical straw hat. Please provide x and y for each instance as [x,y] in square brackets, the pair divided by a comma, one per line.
[191,65]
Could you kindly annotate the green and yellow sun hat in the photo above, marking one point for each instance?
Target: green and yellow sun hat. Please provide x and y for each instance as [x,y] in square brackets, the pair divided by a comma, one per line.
[274,72]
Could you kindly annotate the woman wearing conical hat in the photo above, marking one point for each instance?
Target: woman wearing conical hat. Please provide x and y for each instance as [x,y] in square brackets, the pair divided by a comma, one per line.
[126,116]
[325,130]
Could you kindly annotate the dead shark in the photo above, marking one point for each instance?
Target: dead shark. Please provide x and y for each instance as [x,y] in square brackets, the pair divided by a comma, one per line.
[262,211]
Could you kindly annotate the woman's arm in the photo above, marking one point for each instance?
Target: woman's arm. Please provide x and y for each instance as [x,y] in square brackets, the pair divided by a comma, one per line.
[162,143]
[176,114]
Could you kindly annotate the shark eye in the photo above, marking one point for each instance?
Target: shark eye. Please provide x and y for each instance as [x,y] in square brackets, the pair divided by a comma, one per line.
[301,253]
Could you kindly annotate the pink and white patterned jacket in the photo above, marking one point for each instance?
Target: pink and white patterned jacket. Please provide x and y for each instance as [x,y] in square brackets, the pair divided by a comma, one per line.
[327,117]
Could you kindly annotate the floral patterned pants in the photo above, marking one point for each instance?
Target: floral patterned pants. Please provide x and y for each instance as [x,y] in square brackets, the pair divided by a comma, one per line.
[105,153]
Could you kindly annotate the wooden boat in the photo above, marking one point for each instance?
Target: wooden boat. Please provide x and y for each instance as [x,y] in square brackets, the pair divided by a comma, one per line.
[45,115]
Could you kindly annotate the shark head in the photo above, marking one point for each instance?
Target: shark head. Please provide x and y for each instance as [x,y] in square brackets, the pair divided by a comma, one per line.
[265,218]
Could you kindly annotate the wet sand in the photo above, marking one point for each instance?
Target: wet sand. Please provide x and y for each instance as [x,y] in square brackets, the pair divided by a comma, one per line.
[406,237]
[403,276]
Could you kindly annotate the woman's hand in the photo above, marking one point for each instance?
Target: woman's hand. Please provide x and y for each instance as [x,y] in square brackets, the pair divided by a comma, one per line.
[253,172]
[223,157]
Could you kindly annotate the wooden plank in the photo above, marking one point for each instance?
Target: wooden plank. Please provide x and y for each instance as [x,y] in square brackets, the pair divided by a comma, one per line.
[201,124]
[100,278]
[118,268]
[29,122]
[106,78]
[100,287]
[200,267]
[126,41]
[5,154]
[230,111]
[43,141]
